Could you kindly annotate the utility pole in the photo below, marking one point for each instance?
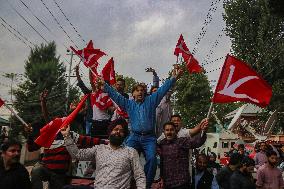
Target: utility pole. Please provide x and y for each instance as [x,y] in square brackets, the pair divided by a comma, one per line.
[68,84]
[11,76]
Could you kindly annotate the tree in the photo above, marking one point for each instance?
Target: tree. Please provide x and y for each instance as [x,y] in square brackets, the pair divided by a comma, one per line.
[256,31]
[192,98]
[43,71]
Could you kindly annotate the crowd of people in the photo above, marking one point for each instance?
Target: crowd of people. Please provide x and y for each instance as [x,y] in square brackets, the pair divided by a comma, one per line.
[118,130]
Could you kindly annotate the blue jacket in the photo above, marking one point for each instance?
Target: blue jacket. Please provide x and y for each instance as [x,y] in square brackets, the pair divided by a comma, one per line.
[142,115]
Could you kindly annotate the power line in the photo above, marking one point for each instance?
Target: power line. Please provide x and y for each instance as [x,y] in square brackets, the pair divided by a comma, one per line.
[207,21]
[42,22]
[17,32]
[220,58]
[69,21]
[215,44]
[15,35]
[59,23]
[26,21]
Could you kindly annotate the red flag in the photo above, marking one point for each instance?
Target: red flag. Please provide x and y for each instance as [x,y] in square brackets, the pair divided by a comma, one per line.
[101,100]
[48,132]
[239,82]
[192,64]
[181,47]
[1,102]
[89,55]
[108,72]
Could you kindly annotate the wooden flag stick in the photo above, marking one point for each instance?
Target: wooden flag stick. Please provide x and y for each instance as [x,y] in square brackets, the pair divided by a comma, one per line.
[17,116]
[208,115]
[210,110]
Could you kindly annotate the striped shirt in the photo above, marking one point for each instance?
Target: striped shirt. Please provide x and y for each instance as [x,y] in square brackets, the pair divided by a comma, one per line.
[115,168]
[57,158]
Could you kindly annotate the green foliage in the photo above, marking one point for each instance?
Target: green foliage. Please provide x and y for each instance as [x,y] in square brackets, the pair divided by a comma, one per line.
[43,71]
[256,31]
[192,98]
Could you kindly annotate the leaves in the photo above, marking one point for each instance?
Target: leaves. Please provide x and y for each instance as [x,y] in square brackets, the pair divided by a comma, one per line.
[43,71]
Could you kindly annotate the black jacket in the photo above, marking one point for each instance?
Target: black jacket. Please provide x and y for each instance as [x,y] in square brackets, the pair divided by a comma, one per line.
[205,181]
[240,180]
[223,177]
[15,178]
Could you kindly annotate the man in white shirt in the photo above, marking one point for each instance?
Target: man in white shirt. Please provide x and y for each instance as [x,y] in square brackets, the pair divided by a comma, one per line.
[182,132]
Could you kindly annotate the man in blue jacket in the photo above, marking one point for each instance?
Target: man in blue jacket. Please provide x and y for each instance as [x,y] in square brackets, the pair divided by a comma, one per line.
[142,118]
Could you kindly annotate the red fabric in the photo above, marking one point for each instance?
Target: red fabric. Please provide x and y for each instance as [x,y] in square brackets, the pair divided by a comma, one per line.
[108,72]
[101,100]
[57,159]
[1,102]
[239,82]
[181,47]
[48,132]
[224,160]
[89,55]
[191,63]
[121,112]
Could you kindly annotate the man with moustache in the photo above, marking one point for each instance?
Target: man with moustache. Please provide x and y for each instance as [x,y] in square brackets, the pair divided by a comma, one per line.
[201,177]
[116,164]
[142,117]
[174,156]
[242,177]
[268,175]
[13,175]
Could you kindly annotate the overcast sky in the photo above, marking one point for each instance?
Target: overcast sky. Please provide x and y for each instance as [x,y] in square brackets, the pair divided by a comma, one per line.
[137,33]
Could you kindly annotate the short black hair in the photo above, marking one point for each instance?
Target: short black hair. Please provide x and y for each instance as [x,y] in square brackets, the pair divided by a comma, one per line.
[271,153]
[120,79]
[247,161]
[235,159]
[202,155]
[116,122]
[241,146]
[175,115]
[168,123]
[10,142]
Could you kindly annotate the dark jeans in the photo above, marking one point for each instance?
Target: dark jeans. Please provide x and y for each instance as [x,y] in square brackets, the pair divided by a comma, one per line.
[99,129]
[147,145]
[40,173]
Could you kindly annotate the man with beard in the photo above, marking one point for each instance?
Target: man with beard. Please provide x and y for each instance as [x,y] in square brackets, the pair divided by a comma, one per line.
[242,177]
[116,164]
[142,118]
[174,156]
[268,175]
[260,157]
[201,177]
[13,175]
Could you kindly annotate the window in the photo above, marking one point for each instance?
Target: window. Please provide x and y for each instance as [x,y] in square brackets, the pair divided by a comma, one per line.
[225,144]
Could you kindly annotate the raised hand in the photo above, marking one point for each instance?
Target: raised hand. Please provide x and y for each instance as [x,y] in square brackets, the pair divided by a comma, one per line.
[177,71]
[28,128]
[204,124]
[65,131]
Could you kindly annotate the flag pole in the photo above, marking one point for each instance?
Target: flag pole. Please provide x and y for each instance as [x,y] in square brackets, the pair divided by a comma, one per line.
[210,110]
[208,115]
[17,116]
